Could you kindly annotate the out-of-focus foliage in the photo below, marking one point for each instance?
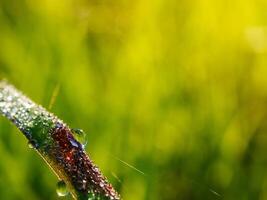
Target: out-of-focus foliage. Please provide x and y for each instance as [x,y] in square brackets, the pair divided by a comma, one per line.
[178,89]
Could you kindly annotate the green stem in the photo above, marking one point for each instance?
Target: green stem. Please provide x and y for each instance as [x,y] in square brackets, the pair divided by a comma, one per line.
[55,143]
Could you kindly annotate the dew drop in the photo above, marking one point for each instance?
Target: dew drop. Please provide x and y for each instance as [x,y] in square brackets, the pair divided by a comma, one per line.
[80,136]
[101,184]
[30,145]
[62,189]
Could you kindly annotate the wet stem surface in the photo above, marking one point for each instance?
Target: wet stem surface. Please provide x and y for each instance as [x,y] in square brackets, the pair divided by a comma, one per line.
[61,147]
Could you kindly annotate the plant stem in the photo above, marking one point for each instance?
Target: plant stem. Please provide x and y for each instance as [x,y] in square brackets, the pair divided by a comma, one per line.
[55,143]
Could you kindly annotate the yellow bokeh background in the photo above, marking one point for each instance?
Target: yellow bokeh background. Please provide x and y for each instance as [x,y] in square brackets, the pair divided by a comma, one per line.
[176,89]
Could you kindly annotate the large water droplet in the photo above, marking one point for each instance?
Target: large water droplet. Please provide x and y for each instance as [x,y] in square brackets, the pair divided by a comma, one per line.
[62,189]
[79,135]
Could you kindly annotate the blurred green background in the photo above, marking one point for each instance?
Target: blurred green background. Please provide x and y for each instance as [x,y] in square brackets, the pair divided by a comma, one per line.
[177,89]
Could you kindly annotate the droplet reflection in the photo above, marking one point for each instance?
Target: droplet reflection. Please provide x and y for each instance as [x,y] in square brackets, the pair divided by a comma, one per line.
[80,136]
[62,189]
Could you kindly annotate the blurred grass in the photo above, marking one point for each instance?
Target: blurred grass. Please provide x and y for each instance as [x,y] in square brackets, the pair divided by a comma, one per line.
[177,89]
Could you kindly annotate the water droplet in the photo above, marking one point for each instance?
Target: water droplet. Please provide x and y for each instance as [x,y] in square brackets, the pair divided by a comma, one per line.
[95,169]
[80,136]
[62,189]
[30,145]
[101,184]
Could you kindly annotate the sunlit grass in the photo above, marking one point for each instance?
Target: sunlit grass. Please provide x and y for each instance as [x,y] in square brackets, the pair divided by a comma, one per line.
[176,89]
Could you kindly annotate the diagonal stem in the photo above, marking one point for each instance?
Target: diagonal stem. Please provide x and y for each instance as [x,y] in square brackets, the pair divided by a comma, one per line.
[55,143]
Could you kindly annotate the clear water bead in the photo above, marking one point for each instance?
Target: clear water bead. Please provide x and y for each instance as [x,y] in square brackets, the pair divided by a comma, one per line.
[80,136]
[30,145]
[62,189]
